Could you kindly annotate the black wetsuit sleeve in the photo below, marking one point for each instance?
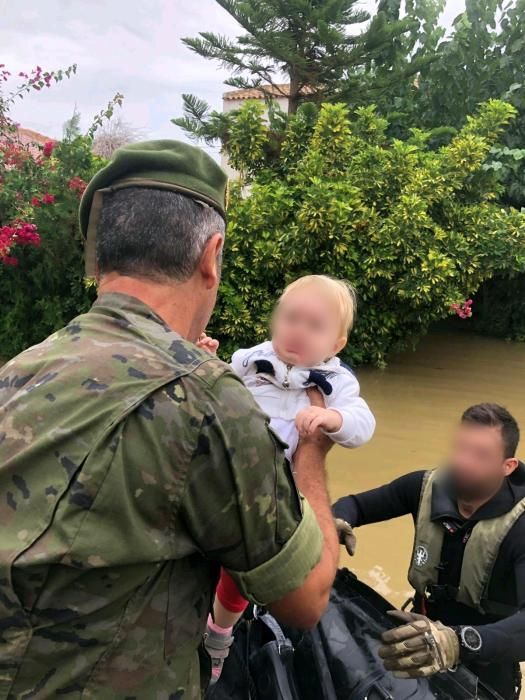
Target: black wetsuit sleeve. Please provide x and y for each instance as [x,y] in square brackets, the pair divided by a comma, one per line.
[505,640]
[400,497]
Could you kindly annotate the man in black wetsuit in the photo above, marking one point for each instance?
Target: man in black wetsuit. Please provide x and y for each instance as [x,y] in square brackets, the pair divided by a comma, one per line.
[468,560]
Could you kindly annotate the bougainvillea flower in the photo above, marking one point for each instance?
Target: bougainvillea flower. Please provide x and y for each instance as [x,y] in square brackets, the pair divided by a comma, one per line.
[463,310]
[48,148]
[77,184]
[17,233]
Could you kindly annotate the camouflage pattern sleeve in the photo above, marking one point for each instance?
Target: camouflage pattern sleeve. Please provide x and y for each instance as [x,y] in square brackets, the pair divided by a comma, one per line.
[241,504]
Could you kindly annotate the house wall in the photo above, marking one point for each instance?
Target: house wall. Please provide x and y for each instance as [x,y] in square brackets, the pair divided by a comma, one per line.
[230,105]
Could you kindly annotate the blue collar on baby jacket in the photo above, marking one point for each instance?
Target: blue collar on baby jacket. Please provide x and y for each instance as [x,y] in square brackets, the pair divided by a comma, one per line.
[316,377]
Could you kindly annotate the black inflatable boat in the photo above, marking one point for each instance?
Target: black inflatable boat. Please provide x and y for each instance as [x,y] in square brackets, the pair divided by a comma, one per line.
[336,661]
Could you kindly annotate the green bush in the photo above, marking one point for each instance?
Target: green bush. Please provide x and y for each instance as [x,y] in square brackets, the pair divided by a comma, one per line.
[415,229]
[500,308]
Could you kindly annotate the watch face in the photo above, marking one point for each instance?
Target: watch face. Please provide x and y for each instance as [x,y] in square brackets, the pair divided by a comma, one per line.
[471,638]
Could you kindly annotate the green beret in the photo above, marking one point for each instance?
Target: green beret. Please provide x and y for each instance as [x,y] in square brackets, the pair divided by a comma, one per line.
[163,164]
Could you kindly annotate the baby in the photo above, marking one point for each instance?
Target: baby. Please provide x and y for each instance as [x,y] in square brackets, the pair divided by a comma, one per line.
[310,326]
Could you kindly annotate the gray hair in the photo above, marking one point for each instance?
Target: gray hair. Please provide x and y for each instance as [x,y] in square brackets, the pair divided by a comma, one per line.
[156,234]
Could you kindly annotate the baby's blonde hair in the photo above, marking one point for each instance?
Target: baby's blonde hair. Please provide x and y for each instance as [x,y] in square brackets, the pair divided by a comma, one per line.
[341,293]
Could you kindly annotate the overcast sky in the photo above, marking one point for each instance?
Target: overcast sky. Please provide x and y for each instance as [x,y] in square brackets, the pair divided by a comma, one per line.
[128,46]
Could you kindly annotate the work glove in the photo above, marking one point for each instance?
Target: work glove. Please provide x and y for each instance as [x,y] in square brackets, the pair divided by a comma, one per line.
[418,648]
[346,535]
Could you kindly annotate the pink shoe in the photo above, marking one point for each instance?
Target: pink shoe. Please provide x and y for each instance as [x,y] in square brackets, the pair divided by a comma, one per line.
[218,647]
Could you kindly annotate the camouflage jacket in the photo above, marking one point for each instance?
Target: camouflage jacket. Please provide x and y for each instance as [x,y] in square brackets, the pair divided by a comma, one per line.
[132,465]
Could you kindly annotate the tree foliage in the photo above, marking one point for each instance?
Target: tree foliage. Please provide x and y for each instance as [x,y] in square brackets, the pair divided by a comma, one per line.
[482,58]
[418,72]
[500,305]
[319,46]
[71,127]
[416,229]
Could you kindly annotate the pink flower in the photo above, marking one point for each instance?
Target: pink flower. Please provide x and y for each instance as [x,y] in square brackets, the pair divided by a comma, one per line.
[35,202]
[18,233]
[463,310]
[48,198]
[48,148]
[14,154]
[77,184]
[27,234]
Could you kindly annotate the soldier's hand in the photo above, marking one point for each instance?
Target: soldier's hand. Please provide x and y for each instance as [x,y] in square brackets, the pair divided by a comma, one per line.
[346,535]
[205,342]
[418,648]
[315,397]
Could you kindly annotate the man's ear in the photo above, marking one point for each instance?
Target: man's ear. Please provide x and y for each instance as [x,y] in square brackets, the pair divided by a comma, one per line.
[510,465]
[209,265]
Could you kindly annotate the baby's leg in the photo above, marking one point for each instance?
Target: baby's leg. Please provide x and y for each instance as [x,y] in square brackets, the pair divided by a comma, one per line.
[228,608]
[229,603]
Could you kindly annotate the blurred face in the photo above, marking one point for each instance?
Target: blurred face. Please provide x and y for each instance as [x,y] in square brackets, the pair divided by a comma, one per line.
[477,462]
[306,328]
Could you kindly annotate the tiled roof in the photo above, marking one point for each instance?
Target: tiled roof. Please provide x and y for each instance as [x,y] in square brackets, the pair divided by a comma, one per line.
[281,90]
[28,136]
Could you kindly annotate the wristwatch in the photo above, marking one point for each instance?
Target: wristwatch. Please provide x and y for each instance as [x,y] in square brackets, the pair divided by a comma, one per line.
[469,639]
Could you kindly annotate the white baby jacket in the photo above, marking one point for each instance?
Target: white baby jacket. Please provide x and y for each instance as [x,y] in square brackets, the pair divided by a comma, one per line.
[280,390]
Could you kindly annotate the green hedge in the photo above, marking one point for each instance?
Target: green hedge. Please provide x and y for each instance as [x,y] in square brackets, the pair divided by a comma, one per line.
[499,308]
[415,229]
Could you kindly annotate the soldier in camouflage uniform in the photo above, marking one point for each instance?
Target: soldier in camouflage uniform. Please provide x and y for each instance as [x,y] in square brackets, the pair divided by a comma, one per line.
[133,464]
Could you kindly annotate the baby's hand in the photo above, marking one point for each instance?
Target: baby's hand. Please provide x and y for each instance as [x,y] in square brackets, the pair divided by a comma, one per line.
[313,418]
[208,344]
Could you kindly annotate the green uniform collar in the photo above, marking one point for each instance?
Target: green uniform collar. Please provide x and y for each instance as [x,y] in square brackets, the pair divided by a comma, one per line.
[126,302]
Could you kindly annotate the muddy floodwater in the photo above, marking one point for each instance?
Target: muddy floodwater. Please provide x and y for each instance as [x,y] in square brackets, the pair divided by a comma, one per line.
[417,400]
